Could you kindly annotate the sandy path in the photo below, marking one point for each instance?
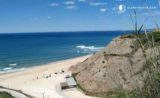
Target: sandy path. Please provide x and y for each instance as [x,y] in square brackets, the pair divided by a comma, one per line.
[75,93]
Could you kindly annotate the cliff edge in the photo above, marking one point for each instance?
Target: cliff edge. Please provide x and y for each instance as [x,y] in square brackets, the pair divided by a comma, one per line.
[120,65]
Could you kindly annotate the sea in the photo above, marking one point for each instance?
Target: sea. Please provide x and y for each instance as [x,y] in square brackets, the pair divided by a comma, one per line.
[19,51]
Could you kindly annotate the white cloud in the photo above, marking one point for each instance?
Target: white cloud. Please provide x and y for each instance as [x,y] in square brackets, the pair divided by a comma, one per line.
[69,2]
[98,3]
[103,10]
[54,4]
[70,7]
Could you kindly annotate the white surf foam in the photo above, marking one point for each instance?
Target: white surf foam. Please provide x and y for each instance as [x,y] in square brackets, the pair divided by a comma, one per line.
[87,49]
[14,64]
[7,68]
[10,69]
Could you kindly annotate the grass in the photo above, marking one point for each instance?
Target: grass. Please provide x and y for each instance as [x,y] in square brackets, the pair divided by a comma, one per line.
[5,95]
[142,36]
[131,36]
[17,91]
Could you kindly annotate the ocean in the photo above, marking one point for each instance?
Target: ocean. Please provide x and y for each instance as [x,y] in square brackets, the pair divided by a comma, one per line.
[19,51]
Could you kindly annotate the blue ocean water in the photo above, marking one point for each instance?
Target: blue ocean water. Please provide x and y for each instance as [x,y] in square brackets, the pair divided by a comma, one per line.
[23,50]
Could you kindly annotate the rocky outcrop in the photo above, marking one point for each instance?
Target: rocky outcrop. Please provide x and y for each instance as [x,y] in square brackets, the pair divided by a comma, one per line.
[119,65]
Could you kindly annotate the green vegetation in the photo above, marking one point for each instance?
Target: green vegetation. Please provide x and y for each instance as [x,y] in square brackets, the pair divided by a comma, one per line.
[131,35]
[5,95]
[142,36]
[16,91]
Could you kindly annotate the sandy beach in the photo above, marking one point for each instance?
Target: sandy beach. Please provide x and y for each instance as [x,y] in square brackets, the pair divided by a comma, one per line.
[33,80]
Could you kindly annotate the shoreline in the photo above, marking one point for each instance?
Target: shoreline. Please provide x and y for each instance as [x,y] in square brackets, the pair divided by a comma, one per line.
[32,81]
[40,65]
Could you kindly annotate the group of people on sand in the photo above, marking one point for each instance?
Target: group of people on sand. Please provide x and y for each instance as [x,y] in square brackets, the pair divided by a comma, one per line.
[50,75]
[47,75]
[60,72]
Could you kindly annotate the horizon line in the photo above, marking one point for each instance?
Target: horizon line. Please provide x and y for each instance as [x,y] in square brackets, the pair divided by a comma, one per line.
[68,31]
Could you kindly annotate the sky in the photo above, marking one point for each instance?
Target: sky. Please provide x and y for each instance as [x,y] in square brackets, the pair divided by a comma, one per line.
[17,16]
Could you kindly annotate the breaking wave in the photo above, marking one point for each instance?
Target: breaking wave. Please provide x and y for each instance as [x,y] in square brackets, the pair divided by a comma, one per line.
[87,49]
[10,69]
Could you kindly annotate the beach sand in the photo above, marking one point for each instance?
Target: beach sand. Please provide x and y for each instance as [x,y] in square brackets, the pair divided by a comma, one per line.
[32,81]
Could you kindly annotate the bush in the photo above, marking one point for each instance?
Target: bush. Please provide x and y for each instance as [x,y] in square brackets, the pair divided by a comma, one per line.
[5,95]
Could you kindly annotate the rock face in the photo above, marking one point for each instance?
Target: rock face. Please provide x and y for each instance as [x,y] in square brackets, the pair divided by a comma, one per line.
[117,66]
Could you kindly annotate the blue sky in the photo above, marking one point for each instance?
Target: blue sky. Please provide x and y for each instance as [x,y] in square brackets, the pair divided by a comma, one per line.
[75,15]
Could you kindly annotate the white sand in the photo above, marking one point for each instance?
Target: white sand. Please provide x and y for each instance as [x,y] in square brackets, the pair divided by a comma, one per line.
[43,87]
[75,93]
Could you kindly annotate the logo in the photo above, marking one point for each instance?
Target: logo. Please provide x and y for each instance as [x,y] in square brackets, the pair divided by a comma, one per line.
[121,8]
